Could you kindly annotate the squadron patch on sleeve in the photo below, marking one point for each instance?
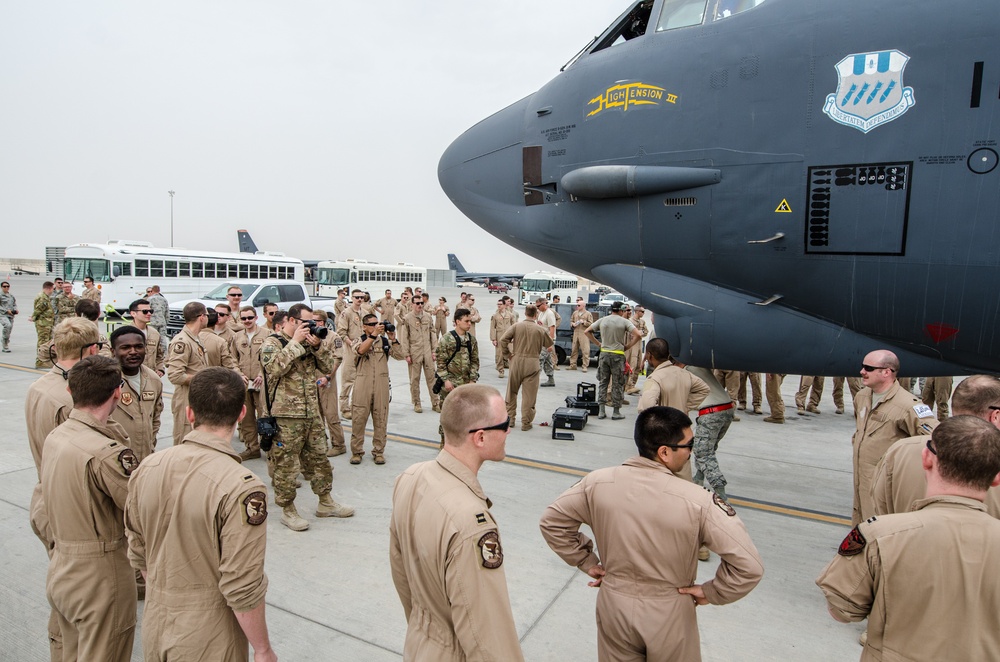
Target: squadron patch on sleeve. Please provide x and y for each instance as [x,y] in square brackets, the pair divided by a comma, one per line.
[255,508]
[128,460]
[723,505]
[853,544]
[490,551]
[126,398]
[178,348]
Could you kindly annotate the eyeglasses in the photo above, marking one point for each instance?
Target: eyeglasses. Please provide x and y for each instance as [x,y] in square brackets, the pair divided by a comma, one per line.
[235,296]
[873,368]
[122,385]
[931,448]
[100,346]
[679,446]
[503,427]
[358,297]
[5,286]
[145,311]
[270,313]
[994,407]
[418,303]
[222,314]
[249,319]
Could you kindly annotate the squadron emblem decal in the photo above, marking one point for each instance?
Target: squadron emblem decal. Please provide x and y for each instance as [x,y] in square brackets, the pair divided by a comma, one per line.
[490,550]
[126,398]
[870,91]
[128,460]
[625,96]
[255,507]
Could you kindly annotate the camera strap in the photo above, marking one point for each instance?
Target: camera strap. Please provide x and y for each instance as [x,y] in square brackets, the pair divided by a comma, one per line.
[458,348]
[263,370]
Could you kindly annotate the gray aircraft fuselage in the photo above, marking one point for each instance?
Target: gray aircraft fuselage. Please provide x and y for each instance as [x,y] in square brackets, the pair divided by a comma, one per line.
[786,188]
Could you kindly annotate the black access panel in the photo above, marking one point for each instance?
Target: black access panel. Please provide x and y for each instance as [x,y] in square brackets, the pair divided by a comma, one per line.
[858,209]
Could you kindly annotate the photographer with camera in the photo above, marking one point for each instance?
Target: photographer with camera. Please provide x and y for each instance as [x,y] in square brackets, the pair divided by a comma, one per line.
[371,385]
[290,360]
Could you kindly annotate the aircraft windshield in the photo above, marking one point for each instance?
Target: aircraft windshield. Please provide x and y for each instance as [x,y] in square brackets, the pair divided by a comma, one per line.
[684,13]
[631,25]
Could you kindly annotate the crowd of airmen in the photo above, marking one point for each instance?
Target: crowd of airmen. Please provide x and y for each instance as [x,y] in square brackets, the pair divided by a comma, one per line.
[103,503]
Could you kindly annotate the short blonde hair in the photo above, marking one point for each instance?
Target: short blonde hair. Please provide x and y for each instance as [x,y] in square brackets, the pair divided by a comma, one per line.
[466,408]
[72,335]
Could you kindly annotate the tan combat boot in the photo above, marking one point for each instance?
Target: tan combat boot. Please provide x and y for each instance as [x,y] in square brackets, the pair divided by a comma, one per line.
[329,508]
[291,518]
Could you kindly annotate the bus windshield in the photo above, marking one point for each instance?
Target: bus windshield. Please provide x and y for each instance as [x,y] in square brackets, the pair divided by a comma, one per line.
[76,268]
[219,293]
[334,276]
[536,284]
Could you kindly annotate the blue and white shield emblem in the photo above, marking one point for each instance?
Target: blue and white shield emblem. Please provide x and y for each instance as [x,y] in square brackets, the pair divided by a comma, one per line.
[870,91]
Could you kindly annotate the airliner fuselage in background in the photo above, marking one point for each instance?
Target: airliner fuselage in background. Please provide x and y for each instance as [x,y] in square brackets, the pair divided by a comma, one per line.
[786,186]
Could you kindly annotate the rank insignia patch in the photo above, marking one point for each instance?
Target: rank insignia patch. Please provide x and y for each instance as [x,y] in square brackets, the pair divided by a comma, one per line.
[853,544]
[490,550]
[128,460]
[255,507]
[723,505]
[126,398]
[480,518]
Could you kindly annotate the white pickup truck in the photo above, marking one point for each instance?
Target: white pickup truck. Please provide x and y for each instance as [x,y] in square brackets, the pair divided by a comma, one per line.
[282,292]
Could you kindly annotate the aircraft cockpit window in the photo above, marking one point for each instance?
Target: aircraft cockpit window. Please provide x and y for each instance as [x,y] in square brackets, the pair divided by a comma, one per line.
[727,8]
[681,14]
[631,25]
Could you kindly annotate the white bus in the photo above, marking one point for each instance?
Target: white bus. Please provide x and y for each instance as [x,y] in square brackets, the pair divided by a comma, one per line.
[122,270]
[548,284]
[368,277]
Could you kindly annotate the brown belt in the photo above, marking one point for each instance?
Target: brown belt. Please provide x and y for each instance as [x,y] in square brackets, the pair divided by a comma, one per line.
[716,408]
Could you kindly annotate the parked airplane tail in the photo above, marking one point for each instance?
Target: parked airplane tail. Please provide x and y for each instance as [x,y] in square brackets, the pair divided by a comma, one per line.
[454,263]
[247,244]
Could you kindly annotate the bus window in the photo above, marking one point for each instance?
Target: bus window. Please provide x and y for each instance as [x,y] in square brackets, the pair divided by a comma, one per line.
[681,14]
[170,269]
[156,268]
[185,269]
[142,268]
[631,25]
[244,271]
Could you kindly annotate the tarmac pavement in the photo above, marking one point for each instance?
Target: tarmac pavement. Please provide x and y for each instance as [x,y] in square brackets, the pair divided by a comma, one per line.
[331,595]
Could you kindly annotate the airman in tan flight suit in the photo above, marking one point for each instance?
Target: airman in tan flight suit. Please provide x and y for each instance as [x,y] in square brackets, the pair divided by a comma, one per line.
[419,340]
[521,344]
[185,358]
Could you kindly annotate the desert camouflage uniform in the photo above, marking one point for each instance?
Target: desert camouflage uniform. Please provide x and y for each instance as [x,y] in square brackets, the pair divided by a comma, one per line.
[291,374]
[161,311]
[462,369]
[44,316]
[7,302]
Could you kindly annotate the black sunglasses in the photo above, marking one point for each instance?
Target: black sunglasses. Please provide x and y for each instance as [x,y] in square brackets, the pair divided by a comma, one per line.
[248,319]
[931,448]
[679,446]
[503,427]
[873,368]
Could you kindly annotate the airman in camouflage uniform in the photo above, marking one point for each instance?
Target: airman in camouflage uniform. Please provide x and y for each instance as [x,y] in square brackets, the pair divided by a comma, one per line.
[291,361]
[44,318]
[457,358]
[8,308]
[161,311]
[65,303]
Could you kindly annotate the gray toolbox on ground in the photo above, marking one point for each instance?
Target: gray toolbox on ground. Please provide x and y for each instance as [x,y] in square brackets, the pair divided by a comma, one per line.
[565,418]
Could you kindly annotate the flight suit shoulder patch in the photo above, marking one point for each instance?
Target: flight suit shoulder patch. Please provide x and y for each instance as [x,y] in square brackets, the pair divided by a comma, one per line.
[126,398]
[255,508]
[853,544]
[923,411]
[723,505]
[178,348]
[128,461]
[490,551]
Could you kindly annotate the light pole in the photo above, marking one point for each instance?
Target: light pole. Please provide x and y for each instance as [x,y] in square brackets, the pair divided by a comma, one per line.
[171,218]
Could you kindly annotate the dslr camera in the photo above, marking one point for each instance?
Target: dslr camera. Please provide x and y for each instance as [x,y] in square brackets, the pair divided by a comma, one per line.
[389,327]
[316,329]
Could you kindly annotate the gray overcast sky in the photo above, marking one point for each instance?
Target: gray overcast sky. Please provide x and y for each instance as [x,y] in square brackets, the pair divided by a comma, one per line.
[316,125]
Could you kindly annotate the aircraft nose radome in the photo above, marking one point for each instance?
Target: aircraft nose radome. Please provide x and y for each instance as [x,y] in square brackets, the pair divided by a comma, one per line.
[483,166]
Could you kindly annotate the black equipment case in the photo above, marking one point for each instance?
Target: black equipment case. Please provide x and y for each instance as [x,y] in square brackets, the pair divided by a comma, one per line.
[575,402]
[565,418]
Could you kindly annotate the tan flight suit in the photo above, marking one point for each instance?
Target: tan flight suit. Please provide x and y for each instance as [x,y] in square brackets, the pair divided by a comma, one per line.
[635,354]
[247,355]
[419,340]
[926,580]
[339,306]
[937,390]
[755,399]
[499,323]
[649,525]
[233,326]
[386,308]
[93,294]
[349,329]
[90,584]
[581,343]
[404,308]
[521,344]
[730,379]
[155,356]
[185,358]
[806,383]
[669,385]
[47,404]
[204,560]
[475,318]
[772,390]
[447,565]
[371,393]
[899,414]
[217,352]
[441,320]
[139,413]
[900,480]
